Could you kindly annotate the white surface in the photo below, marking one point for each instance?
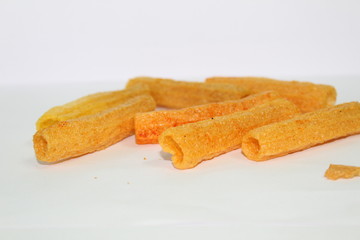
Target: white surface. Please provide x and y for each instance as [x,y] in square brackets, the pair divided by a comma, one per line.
[80,40]
[116,193]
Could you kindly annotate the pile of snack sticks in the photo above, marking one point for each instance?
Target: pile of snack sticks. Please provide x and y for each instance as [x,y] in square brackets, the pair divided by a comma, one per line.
[264,117]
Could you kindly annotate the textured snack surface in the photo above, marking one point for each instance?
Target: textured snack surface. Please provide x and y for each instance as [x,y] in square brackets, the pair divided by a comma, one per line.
[194,142]
[335,172]
[89,133]
[179,94]
[149,125]
[89,105]
[307,96]
[302,132]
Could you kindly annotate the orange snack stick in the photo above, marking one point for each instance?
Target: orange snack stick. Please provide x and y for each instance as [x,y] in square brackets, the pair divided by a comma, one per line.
[179,94]
[192,143]
[302,132]
[89,105]
[71,138]
[149,125]
[307,96]
[334,172]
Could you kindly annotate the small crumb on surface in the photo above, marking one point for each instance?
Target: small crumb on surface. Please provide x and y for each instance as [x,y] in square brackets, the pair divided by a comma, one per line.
[145,158]
[335,172]
[95,177]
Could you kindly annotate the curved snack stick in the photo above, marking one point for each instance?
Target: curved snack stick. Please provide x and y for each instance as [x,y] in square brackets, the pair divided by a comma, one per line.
[75,137]
[334,172]
[307,96]
[89,105]
[302,132]
[179,94]
[149,125]
[194,142]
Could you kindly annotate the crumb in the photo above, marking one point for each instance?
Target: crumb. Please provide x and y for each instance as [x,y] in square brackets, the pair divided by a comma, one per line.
[128,182]
[335,171]
[95,177]
[145,158]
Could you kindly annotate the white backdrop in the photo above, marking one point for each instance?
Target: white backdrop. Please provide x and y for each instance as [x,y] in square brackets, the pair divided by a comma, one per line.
[81,40]
[52,45]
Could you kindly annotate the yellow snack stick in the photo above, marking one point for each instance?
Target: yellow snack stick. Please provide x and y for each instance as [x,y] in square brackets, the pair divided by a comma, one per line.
[149,125]
[179,94]
[334,172]
[302,132]
[194,142]
[71,138]
[307,96]
[89,105]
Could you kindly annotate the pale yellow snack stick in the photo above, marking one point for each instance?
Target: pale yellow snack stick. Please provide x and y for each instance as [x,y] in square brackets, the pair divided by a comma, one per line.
[335,172]
[307,96]
[194,142]
[149,125]
[302,132]
[89,105]
[179,94]
[71,138]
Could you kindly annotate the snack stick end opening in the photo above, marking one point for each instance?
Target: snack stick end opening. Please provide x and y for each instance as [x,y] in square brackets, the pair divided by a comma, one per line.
[173,148]
[253,146]
[41,147]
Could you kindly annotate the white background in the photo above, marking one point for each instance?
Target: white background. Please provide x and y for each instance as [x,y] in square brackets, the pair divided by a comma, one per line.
[84,40]
[52,52]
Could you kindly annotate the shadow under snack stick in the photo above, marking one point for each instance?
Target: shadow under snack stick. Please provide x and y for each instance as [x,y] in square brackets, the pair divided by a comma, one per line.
[165,155]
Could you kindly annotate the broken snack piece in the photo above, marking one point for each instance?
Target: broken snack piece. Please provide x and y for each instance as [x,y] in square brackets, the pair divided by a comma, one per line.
[74,137]
[302,132]
[335,172]
[192,143]
[307,96]
[179,94]
[149,125]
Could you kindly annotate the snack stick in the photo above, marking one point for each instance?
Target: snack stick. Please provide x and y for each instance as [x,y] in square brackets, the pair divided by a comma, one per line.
[335,172]
[75,137]
[178,94]
[149,125]
[307,96]
[89,105]
[302,132]
[194,142]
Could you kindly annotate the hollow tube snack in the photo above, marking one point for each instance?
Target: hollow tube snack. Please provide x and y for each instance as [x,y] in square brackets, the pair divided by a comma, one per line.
[179,94]
[302,132]
[149,125]
[89,105]
[335,172]
[307,96]
[86,134]
[194,142]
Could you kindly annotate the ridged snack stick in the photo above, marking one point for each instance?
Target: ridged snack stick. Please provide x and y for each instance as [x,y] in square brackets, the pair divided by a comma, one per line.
[149,125]
[307,96]
[89,105]
[192,143]
[302,132]
[71,138]
[179,94]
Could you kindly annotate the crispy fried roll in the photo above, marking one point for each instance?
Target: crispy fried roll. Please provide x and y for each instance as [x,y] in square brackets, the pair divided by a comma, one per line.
[307,96]
[335,172]
[179,94]
[89,133]
[149,125]
[194,142]
[302,132]
[89,105]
